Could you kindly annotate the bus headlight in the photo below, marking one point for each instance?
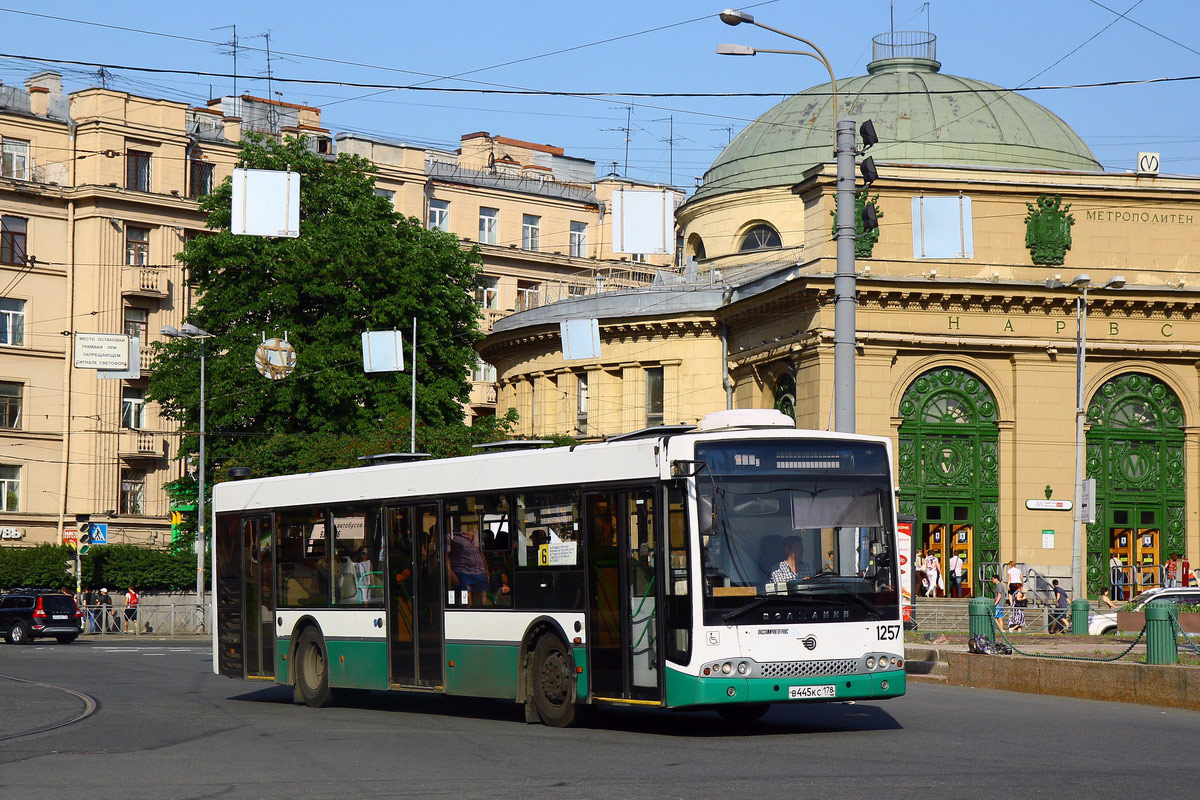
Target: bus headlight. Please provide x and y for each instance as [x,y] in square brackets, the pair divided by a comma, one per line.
[870,662]
[743,668]
[727,668]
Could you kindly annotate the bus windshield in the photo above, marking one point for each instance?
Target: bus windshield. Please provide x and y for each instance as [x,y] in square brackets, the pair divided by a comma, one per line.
[796,531]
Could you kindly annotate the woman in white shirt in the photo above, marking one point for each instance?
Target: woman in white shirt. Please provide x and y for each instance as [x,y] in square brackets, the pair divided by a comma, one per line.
[1014,578]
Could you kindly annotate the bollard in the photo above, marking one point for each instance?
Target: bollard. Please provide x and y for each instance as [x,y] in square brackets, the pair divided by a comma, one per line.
[979,613]
[1079,617]
[1161,647]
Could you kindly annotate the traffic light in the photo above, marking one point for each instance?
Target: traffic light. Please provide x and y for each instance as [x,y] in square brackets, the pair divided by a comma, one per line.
[85,537]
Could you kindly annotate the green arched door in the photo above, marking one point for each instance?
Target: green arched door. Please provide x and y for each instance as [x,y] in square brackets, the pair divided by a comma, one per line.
[948,470]
[1135,454]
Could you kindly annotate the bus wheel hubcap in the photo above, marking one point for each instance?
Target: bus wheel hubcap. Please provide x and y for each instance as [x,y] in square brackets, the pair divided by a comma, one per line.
[555,677]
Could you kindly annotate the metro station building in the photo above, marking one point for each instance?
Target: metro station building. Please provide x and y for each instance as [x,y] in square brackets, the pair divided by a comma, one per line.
[992,211]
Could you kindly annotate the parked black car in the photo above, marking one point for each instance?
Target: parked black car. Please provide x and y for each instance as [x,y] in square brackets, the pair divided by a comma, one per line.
[28,614]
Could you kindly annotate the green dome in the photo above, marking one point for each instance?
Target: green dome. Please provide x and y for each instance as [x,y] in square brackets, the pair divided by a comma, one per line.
[921,115]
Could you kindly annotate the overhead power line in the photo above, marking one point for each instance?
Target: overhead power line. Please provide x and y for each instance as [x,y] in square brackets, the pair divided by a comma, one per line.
[596,93]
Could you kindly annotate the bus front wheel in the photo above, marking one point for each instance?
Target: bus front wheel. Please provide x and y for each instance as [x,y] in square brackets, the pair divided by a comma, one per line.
[312,672]
[553,682]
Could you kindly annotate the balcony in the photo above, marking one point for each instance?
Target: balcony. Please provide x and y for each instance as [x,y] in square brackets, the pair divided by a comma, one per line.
[141,445]
[490,315]
[483,393]
[145,358]
[145,282]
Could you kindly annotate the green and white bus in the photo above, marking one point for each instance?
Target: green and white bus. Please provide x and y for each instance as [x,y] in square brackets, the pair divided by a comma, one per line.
[730,565]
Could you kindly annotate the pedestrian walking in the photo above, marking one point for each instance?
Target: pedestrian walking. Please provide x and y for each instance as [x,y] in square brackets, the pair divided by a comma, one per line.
[933,574]
[90,609]
[1019,603]
[1172,571]
[1105,600]
[1000,596]
[1058,617]
[131,609]
[107,623]
[955,574]
[1015,579]
[1116,570]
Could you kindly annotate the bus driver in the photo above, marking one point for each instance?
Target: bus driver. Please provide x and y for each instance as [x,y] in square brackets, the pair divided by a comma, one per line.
[793,565]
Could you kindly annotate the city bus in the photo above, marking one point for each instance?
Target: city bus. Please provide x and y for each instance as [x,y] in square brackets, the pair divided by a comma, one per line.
[730,566]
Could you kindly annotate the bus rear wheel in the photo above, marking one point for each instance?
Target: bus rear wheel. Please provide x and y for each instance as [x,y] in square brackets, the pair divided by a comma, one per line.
[312,670]
[553,683]
[744,713]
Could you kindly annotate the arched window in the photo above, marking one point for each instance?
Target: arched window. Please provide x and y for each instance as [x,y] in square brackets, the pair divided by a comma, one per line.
[760,237]
[695,247]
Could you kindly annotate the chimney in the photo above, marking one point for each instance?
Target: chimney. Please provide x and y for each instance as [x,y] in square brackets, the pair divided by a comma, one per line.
[233,128]
[45,90]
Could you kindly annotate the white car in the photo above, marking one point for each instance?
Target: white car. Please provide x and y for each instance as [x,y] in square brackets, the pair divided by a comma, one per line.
[1103,623]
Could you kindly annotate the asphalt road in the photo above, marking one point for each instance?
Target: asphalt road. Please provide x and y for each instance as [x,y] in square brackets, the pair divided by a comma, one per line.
[165,727]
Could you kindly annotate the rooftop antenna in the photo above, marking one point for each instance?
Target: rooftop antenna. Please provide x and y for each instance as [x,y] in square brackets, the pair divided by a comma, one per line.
[628,129]
[272,112]
[103,76]
[728,133]
[233,45]
[892,19]
[670,140]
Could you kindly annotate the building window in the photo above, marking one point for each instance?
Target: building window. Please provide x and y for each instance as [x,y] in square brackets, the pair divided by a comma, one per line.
[10,405]
[386,194]
[489,224]
[201,178]
[136,323]
[531,232]
[133,491]
[12,321]
[637,258]
[137,246]
[10,488]
[581,402]
[13,232]
[695,246]
[760,237]
[483,372]
[16,159]
[578,243]
[654,396]
[133,408]
[137,170]
[439,215]
[528,295]
[486,293]
[942,227]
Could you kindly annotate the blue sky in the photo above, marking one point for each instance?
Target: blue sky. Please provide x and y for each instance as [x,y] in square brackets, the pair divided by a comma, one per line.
[1007,43]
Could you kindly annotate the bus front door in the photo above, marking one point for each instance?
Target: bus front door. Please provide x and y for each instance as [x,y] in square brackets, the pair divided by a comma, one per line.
[414,596]
[258,569]
[623,641]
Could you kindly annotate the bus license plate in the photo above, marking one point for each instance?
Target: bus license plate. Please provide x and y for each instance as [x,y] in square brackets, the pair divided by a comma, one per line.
[804,692]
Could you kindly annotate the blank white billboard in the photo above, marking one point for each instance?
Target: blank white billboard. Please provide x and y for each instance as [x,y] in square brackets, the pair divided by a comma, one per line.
[643,221]
[383,351]
[580,338]
[266,202]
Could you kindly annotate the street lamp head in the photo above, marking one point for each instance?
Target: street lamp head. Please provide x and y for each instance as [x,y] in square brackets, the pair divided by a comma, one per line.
[735,50]
[1115,282]
[189,329]
[1081,280]
[170,331]
[731,17]
[1053,283]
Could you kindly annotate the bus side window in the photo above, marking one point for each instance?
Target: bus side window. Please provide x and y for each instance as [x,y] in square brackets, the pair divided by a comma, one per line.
[303,561]
[550,550]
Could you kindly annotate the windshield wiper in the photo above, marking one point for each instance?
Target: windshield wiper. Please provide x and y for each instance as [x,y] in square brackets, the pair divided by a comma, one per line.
[862,601]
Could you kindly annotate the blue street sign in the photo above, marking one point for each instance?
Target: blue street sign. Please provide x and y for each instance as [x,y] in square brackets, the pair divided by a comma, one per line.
[99,533]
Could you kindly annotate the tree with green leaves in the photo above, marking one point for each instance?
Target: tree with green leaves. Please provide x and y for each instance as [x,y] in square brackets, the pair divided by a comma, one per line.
[356,266]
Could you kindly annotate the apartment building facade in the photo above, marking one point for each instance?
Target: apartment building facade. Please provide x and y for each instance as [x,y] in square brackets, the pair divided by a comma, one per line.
[100,189]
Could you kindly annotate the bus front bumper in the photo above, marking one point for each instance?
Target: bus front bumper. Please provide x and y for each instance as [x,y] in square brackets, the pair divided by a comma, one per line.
[691,690]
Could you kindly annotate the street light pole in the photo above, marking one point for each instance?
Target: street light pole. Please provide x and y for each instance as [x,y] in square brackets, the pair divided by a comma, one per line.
[845,282]
[189,331]
[1082,283]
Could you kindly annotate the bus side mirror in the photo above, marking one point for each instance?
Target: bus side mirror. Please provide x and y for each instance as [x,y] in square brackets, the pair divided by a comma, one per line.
[683,468]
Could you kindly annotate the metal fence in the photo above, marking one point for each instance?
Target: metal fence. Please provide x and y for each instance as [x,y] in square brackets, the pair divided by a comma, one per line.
[157,619]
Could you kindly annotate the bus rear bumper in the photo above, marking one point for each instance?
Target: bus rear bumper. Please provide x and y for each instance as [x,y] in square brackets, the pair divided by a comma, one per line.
[691,690]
